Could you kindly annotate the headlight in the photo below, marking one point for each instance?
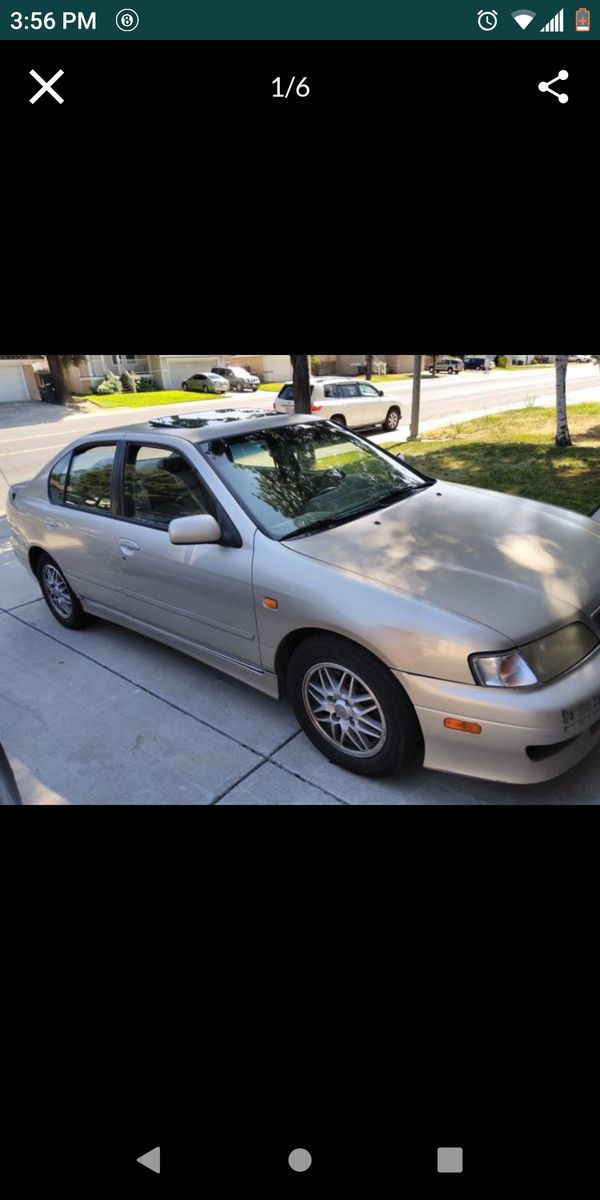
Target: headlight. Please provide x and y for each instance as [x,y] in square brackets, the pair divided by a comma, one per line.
[539,662]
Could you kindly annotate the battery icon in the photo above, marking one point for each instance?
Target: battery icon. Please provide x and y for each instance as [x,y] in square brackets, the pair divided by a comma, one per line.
[582,20]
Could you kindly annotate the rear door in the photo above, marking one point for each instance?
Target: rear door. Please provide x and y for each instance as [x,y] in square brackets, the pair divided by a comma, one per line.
[82,530]
[200,593]
[350,402]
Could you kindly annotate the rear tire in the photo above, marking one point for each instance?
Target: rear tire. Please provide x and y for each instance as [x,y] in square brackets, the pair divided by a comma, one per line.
[59,596]
[340,420]
[352,708]
[392,420]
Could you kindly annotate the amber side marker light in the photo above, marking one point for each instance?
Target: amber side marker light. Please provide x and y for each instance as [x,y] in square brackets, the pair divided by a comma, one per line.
[462,726]
[269,602]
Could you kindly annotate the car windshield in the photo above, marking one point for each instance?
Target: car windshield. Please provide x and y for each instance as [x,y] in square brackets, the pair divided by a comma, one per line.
[301,478]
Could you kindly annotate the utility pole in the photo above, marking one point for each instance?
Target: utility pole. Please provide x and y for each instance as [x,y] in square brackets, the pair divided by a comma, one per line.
[415,415]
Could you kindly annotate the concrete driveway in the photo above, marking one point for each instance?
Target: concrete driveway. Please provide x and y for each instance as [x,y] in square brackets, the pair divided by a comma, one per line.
[108,717]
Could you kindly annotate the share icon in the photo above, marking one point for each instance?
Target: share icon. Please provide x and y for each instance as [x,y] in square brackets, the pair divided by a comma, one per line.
[545,87]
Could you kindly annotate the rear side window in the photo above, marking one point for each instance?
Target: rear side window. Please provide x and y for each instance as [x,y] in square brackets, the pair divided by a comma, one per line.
[89,485]
[287,393]
[58,480]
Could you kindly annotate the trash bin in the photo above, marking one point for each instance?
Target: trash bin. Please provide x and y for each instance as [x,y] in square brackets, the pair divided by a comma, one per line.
[48,393]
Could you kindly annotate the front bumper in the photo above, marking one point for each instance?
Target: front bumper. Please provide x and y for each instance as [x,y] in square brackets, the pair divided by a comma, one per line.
[529,735]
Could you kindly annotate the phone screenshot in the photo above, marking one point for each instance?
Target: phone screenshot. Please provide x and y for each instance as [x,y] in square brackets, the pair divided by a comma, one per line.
[237,590]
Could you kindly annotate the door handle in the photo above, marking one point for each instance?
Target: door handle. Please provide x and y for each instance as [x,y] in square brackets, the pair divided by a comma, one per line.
[52,524]
[128,548]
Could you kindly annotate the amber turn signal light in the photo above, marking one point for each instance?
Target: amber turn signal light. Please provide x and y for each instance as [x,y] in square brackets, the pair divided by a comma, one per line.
[462,726]
[269,602]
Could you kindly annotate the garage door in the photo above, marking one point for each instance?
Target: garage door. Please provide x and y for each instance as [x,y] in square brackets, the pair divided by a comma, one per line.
[180,369]
[12,385]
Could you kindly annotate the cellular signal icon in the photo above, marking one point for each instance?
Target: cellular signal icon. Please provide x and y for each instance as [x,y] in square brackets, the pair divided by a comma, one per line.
[523,17]
[556,25]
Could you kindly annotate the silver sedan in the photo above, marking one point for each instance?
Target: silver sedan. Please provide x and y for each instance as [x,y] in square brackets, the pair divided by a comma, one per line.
[408,620]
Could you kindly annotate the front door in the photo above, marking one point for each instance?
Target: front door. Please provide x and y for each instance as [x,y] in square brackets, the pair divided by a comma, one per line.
[200,593]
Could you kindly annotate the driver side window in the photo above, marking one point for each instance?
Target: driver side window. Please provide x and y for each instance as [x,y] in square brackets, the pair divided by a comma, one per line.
[161,485]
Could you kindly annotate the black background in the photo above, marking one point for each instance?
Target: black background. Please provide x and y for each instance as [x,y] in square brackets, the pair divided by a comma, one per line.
[419,182]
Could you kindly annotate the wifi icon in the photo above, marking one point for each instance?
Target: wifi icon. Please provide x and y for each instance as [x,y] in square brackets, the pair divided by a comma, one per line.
[523,17]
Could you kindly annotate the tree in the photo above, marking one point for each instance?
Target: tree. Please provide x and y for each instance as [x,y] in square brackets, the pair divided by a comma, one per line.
[434,358]
[415,415]
[563,437]
[301,376]
[370,358]
[56,366]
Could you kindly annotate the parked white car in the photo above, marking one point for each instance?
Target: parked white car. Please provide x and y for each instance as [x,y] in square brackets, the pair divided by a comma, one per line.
[351,402]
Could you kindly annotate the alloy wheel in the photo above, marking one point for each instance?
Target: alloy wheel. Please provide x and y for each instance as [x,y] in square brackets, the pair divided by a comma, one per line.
[58,591]
[344,710]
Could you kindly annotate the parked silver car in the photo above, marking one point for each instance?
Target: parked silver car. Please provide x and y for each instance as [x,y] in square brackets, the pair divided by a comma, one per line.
[206,383]
[352,402]
[407,620]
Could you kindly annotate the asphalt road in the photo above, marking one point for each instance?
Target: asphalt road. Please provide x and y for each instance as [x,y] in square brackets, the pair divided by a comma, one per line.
[30,434]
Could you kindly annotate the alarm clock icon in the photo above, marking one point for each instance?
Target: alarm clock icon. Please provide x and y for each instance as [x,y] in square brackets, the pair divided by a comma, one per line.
[487,19]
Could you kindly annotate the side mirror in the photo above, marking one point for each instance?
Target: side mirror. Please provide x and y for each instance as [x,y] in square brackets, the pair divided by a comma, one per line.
[195,531]
[381,393]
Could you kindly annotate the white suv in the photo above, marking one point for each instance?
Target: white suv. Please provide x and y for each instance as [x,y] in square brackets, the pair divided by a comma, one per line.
[351,402]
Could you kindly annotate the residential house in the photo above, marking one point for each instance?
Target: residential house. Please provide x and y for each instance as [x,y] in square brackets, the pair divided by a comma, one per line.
[348,364]
[170,370]
[18,377]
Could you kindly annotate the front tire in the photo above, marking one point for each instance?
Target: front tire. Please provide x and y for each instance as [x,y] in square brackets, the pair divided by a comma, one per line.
[184,387]
[352,708]
[59,596]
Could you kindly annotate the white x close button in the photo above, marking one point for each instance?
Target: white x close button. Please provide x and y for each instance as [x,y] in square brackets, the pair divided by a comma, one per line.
[46,87]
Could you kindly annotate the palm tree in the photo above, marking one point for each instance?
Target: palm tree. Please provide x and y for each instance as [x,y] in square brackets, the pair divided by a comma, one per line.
[302,391]
[56,366]
[563,437]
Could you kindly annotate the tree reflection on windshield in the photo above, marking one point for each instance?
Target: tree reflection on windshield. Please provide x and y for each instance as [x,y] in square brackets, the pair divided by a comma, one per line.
[300,476]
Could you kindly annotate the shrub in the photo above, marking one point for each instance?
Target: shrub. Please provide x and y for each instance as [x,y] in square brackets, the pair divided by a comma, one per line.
[503,360]
[315,365]
[144,384]
[110,384]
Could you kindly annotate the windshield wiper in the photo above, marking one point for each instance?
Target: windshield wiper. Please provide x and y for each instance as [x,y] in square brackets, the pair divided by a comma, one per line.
[332,522]
[318,527]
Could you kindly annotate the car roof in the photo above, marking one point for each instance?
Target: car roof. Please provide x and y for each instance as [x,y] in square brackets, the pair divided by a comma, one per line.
[327,379]
[204,426]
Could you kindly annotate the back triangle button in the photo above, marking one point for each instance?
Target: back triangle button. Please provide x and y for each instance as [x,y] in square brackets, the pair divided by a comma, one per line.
[151,1160]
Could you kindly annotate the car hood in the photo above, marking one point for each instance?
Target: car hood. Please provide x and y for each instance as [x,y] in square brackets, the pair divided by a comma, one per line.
[520,567]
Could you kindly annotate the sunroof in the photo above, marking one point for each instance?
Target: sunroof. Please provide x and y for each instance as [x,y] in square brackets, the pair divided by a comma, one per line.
[199,420]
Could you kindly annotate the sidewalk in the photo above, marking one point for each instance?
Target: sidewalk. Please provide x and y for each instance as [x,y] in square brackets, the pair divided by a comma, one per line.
[105,717]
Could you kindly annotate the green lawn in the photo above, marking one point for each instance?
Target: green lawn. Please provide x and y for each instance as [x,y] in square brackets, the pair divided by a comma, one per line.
[142,399]
[515,452]
[276,387]
[385,378]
